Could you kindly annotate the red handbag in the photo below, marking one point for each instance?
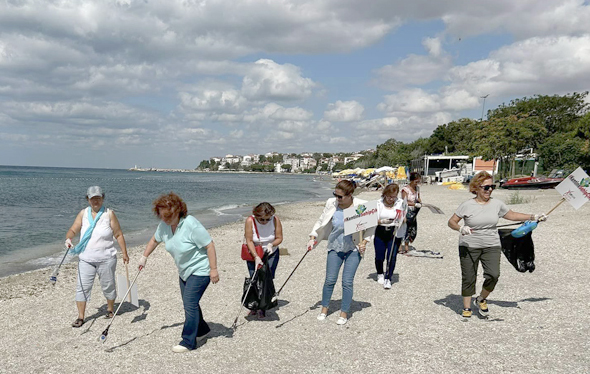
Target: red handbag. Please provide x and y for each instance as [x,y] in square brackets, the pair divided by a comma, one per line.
[246,255]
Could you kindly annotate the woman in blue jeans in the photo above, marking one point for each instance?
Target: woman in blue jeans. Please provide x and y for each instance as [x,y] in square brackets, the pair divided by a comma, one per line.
[193,252]
[342,249]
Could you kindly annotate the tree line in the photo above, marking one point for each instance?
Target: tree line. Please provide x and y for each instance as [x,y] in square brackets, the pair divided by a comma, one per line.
[556,128]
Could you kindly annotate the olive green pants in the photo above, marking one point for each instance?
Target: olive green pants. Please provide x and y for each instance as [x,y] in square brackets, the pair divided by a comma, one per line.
[470,258]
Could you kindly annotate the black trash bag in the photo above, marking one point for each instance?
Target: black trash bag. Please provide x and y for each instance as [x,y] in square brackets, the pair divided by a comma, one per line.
[261,293]
[520,252]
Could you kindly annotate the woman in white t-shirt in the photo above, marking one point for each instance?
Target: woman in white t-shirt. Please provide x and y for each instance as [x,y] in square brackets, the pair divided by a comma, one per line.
[98,254]
[480,241]
[388,237]
[263,228]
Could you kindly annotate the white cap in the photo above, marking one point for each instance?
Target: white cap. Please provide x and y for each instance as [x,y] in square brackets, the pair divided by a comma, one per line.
[94,191]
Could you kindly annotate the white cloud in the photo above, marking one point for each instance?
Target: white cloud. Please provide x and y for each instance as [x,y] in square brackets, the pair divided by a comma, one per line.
[344,111]
[268,80]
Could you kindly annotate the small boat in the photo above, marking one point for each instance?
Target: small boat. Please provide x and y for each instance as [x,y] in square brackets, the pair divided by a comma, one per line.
[551,181]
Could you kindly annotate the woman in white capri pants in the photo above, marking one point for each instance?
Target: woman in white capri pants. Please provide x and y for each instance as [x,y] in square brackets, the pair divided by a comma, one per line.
[98,228]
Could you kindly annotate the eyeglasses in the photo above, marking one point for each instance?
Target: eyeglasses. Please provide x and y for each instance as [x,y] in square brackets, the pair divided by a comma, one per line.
[488,186]
[339,196]
[263,219]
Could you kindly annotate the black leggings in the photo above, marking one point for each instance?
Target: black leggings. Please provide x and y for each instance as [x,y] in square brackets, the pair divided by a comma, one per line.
[385,243]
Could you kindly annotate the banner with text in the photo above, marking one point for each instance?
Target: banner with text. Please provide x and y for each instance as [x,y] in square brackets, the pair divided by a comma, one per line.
[360,217]
[575,188]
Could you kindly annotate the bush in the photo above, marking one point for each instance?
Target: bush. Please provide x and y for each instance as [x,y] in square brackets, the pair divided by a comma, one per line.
[515,198]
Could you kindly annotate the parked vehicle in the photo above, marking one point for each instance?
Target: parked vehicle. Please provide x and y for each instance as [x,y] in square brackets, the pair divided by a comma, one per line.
[554,178]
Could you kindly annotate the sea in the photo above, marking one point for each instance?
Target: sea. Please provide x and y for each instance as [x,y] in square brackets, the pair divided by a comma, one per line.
[39,204]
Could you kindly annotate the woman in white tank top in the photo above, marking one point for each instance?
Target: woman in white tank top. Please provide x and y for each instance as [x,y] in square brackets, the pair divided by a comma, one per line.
[264,229]
[98,253]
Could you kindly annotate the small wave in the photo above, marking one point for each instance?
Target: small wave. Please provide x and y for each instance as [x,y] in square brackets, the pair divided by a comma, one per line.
[220,210]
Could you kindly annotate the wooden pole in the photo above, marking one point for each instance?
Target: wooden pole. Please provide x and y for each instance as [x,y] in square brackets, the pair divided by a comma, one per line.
[556,205]
[360,241]
[128,283]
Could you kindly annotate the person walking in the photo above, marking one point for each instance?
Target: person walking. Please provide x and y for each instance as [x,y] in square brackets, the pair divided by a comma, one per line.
[193,251]
[480,241]
[343,250]
[98,228]
[411,193]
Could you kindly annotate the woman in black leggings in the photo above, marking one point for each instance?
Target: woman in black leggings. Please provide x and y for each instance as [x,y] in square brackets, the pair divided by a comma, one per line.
[391,215]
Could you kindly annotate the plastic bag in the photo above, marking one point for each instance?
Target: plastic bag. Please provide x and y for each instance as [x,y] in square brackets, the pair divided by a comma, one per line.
[261,293]
[520,252]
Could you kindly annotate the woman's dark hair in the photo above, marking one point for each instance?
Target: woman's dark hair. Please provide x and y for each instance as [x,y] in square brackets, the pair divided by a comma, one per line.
[478,181]
[263,209]
[414,176]
[347,186]
[390,189]
[171,201]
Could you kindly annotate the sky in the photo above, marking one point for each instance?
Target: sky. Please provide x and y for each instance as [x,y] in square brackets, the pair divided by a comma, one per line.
[166,83]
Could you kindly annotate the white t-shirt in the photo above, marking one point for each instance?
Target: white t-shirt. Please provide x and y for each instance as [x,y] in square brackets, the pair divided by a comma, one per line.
[483,220]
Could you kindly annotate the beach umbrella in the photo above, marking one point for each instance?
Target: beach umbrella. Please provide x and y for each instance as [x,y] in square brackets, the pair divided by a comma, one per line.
[401,173]
[384,168]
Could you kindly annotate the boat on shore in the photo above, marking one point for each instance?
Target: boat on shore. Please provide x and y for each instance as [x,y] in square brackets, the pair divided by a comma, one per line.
[539,182]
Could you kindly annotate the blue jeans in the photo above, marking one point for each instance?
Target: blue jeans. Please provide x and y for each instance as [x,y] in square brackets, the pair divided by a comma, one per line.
[194,325]
[273,262]
[335,260]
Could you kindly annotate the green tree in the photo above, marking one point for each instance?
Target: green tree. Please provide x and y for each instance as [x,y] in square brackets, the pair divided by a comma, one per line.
[455,137]
[505,137]
[205,164]
[562,150]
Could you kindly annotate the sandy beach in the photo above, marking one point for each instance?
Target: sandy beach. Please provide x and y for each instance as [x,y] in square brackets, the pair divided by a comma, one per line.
[538,321]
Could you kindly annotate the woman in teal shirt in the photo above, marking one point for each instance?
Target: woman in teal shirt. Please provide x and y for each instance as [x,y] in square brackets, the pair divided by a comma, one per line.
[193,251]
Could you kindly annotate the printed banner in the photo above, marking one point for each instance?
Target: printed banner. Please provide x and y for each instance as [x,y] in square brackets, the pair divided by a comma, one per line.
[360,217]
[575,188]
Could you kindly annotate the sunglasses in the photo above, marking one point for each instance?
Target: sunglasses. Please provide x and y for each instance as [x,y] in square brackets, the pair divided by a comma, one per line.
[487,187]
[338,196]
[263,219]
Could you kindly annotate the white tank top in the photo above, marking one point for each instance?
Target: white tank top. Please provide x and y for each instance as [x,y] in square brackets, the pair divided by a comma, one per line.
[266,231]
[101,246]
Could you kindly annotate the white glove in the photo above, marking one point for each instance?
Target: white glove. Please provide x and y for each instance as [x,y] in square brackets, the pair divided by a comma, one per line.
[68,243]
[142,262]
[540,217]
[465,230]
[258,262]
[418,205]
[268,248]
[311,244]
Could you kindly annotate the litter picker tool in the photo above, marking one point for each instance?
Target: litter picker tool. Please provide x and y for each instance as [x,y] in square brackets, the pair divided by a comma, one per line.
[235,324]
[123,284]
[103,337]
[275,297]
[53,277]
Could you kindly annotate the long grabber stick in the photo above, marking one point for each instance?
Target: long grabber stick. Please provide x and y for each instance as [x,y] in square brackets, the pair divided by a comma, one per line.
[276,295]
[53,277]
[235,324]
[103,337]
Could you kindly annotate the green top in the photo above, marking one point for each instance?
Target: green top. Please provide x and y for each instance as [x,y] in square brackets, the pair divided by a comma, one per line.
[187,246]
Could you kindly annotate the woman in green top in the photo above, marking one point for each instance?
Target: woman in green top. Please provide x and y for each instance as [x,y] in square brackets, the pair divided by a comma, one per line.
[193,251]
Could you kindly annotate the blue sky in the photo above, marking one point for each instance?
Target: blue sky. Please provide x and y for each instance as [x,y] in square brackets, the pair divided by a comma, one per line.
[118,83]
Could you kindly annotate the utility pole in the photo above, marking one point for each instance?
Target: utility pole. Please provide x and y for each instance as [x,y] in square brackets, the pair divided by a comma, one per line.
[483,105]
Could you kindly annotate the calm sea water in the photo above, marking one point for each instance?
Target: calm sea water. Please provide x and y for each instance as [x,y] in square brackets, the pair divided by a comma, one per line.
[38,204]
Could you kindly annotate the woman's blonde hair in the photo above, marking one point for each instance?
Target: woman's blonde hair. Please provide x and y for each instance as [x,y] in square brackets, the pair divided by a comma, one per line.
[478,180]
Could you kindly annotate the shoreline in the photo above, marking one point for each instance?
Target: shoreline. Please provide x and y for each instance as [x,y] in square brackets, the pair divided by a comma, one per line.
[418,318]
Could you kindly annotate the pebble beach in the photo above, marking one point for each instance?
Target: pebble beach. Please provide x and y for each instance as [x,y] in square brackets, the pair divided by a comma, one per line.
[538,321]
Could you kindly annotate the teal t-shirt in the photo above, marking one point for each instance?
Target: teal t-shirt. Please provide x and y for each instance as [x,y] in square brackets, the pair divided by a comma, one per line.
[187,246]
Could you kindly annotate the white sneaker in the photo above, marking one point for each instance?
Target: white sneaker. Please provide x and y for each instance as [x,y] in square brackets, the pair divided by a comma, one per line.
[387,284]
[179,349]
[322,317]
[380,278]
[341,321]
